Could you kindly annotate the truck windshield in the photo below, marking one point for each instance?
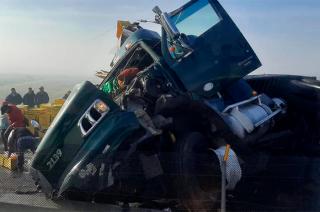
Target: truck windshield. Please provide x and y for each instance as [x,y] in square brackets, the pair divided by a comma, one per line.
[196,18]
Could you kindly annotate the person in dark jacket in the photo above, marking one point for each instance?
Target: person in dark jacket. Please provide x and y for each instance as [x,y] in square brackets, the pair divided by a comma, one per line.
[29,98]
[19,141]
[42,97]
[14,97]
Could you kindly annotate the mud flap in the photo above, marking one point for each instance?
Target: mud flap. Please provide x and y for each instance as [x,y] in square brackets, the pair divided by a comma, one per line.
[233,168]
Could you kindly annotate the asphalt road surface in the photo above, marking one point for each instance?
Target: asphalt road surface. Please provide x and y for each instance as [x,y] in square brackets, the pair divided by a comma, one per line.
[18,193]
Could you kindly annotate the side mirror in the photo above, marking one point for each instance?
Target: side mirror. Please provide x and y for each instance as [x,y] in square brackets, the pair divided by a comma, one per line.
[35,124]
[157,10]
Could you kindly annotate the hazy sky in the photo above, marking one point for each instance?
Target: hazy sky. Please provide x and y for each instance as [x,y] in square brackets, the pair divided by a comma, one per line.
[78,36]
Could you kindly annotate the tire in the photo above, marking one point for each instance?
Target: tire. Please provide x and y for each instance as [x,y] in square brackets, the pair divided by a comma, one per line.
[199,175]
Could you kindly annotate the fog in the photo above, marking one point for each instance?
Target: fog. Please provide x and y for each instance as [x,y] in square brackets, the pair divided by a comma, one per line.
[78,37]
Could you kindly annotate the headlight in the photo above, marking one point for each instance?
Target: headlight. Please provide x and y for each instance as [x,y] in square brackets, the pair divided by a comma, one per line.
[93,115]
[101,107]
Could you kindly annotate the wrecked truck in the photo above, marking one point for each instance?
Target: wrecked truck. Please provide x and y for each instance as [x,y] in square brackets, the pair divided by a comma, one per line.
[179,123]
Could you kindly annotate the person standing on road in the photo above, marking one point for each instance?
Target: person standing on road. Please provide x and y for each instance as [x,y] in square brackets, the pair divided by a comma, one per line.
[16,118]
[14,97]
[29,98]
[4,124]
[15,115]
[42,97]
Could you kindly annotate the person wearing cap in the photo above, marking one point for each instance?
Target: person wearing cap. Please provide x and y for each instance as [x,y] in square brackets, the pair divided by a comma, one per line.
[14,97]
[29,98]
[42,97]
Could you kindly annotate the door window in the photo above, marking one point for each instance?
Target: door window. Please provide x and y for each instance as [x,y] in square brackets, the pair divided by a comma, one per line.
[196,19]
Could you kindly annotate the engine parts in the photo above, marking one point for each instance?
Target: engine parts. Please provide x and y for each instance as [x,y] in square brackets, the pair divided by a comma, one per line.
[246,116]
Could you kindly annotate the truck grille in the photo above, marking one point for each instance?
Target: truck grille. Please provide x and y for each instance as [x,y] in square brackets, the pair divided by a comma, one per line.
[90,119]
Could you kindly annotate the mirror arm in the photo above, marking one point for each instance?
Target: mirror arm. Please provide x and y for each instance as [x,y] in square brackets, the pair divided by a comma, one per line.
[164,20]
[171,29]
[157,10]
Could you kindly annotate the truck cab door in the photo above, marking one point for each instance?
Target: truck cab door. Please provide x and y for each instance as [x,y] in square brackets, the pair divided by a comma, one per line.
[220,54]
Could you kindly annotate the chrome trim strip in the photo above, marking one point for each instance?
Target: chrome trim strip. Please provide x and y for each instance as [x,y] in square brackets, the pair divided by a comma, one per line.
[268,117]
[242,103]
[88,117]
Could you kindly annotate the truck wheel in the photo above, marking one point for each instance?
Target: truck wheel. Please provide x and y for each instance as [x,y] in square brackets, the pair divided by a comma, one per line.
[199,175]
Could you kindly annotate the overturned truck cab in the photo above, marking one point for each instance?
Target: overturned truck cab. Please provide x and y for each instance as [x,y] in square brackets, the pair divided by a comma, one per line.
[72,148]
[158,125]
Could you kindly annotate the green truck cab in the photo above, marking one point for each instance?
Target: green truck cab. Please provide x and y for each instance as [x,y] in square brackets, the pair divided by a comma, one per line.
[112,142]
